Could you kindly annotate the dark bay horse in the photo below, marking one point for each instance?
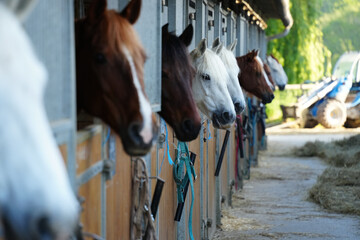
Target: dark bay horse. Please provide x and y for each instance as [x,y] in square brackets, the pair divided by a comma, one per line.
[253,77]
[109,70]
[178,107]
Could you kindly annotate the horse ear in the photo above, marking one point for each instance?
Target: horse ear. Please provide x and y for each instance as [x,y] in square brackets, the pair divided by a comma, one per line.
[257,52]
[132,11]
[202,46]
[97,9]
[165,29]
[187,35]
[216,42]
[232,46]
[21,8]
[218,48]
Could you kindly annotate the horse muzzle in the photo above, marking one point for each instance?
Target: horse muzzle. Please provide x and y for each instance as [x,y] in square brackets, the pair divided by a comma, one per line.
[187,130]
[267,98]
[223,119]
[134,143]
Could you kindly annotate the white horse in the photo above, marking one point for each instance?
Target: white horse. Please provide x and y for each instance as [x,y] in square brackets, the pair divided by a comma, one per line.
[210,87]
[277,72]
[228,58]
[36,199]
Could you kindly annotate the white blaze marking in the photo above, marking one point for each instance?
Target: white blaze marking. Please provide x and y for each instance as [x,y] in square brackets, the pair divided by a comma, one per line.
[264,73]
[145,108]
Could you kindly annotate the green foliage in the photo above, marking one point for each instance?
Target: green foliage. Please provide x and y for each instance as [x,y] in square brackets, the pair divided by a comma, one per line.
[322,31]
[302,53]
[340,25]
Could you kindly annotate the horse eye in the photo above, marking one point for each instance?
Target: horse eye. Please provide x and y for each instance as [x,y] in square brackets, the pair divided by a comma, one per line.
[258,74]
[100,58]
[205,77]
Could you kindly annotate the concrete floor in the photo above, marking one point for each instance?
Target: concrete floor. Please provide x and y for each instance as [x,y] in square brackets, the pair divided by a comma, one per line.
[273,203]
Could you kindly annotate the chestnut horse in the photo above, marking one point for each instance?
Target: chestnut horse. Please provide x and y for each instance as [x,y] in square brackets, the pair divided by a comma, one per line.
[109,71]
[36,199]
[210,86]
[253,77]
[178,107]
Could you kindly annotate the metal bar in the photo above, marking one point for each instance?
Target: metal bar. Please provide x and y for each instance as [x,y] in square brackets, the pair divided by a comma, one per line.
[223,148]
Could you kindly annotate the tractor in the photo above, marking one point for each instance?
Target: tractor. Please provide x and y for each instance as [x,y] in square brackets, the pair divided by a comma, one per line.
[335,101]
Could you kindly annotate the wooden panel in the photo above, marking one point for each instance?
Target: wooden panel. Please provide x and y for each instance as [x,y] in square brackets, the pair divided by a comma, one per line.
[118,195]
[88,153]
[194,146]
[211,207]
[168,202]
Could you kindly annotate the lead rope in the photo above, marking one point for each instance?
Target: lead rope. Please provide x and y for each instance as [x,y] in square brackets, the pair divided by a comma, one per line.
[140,209]
[183,158]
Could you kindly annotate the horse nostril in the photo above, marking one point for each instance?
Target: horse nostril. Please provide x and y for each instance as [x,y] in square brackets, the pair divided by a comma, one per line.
[226,116]
[44,228]
[272,96]
[238,107]
[188,125]
[134,133]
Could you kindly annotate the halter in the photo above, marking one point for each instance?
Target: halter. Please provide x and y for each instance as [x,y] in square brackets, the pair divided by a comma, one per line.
[183,160]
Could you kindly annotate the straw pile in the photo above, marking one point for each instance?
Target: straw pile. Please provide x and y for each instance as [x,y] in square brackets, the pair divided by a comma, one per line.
[338,188]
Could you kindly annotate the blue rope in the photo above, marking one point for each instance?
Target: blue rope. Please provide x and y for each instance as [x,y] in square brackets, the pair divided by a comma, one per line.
[163,124]
[208,130]
[107,137]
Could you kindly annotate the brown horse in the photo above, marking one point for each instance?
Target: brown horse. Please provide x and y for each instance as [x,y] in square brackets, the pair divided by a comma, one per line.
[109,70]
[178,107]
[253,77]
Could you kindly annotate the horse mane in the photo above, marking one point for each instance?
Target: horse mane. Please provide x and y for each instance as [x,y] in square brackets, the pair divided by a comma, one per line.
[120,33]
[271,55]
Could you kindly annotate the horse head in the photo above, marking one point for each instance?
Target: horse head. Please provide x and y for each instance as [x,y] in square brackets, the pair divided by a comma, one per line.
[110,75]
[178,107]
[228,58]
[36,199]
[253,77]
[277,71]
[268,74]
[210,86]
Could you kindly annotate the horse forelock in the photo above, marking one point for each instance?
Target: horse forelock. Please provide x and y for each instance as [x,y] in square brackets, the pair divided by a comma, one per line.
[119,34]
[175,51]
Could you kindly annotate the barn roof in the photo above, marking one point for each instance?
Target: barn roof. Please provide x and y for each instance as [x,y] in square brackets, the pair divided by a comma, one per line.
[278,9]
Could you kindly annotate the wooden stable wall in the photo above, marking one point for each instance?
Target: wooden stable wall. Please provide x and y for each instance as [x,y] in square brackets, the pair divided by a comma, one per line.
[118,189]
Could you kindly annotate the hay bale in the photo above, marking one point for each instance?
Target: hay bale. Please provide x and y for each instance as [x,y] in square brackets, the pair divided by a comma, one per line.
[338,189]
[340,153]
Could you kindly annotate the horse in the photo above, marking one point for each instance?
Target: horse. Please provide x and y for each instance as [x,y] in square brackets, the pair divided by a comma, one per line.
[268,74]
[36,198]
[253,77]
[178,106]
[210,87]
[109,74]
[277,71]
[228,58]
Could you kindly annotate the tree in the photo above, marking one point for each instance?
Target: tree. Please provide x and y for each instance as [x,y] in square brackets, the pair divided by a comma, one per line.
[302,53]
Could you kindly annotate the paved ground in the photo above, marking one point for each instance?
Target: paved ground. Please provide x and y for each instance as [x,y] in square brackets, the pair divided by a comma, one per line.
[273,203]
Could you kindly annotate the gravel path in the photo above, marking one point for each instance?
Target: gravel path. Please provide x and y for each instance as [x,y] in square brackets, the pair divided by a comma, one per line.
[273,203]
